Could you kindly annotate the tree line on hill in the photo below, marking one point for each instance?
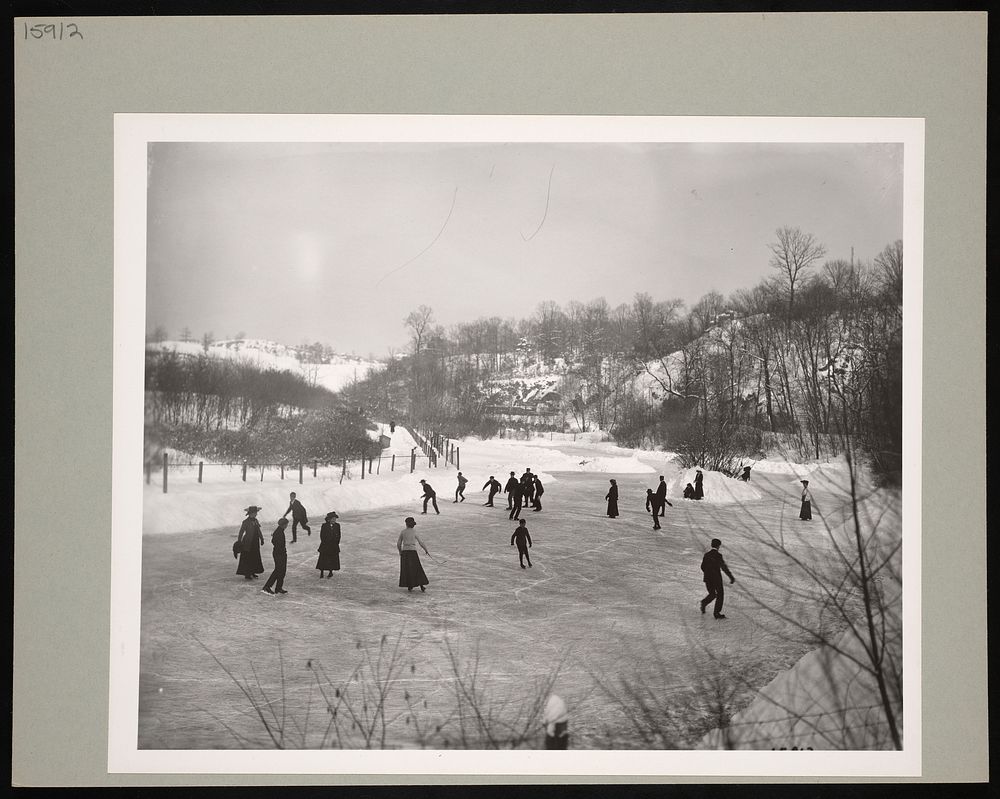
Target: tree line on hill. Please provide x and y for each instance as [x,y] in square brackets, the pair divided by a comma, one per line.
[232,411]
[810,355]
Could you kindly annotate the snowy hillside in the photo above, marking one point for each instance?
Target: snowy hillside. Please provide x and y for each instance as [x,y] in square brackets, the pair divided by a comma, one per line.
[336,372]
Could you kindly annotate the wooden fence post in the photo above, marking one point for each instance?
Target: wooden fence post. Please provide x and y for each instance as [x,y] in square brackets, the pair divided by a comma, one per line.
[392,468]
[244,471]
[201,466]
[300,472]
[413,460]
[343,471]
[282,471]
[164,472]
[262,472]
[315,467]
[362,467]
[378,466]
[458,458]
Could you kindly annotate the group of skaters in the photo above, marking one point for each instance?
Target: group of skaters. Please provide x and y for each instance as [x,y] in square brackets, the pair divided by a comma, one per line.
[521,492]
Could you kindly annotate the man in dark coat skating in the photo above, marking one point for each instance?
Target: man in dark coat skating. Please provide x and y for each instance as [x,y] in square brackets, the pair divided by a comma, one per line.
[712,566]
[298,516]
[277,578]
[659,502]
[430,495]
[494,485]
[509,489]
[539,490]
[516,500]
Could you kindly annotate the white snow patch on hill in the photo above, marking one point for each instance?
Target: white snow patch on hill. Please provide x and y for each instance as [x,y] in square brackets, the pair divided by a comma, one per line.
[339,372]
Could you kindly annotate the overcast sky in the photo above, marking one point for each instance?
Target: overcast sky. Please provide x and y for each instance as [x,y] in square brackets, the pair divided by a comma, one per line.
[338,243]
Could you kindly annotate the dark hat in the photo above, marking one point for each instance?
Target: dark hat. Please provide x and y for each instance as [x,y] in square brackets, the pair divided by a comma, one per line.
[804,482]
[409,521]
[332,514]
[253,508]
[282,522]
[716,543]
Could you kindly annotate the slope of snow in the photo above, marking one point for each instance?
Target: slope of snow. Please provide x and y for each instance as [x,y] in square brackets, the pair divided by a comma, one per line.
[339,372]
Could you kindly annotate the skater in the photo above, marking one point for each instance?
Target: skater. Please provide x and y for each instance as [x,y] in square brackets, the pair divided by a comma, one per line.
[712,566]
[460,491]
[745,477]
[689,491]
[539,490]
[329,545]
[429,496]
[392,426]
[250,539]
[523,539]
[649,500]
[612,498]
[699,491]
[516,500]
[298,516]
[527,488]
[509,489]
[277,578]
[411,573]
[659,501]
[494,485]
[805,511]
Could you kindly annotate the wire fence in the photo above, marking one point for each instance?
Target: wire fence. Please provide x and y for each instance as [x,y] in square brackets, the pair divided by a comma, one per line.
[431,447]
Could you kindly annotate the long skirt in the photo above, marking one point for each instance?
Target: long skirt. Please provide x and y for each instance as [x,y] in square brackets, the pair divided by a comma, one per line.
[806,513]
[328,560]
[613,508]
[250,562]
[411,573]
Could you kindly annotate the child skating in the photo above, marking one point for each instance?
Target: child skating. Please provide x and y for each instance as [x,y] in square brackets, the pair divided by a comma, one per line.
[522,538]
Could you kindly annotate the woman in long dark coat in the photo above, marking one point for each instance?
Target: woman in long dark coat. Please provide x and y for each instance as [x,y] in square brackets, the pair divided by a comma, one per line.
[250,539]
[805,510]
[699,491]
[612,498]
[411,573]
[329,545]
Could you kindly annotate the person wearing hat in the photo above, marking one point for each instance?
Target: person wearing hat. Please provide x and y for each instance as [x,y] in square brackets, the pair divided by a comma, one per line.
[411,573]
[689,491]
[699,491]
[329,545]
[659,502]
[712,566]
[805,511]
[249,540]
[612,498]
[277,578]
[509,489]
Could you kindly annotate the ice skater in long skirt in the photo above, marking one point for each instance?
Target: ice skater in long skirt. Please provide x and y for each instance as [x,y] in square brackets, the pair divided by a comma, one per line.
[805,510]
[612,498]
[411,573]
[250,539]
[329,545]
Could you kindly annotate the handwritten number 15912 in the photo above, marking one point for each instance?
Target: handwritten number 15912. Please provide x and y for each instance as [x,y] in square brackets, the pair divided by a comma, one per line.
[60,31]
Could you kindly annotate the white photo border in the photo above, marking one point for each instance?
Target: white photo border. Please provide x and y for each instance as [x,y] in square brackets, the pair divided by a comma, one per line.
[133,133]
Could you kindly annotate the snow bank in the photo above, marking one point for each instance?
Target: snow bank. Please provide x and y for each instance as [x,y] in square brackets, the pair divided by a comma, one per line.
[826,700]
[539,454]
[719,488]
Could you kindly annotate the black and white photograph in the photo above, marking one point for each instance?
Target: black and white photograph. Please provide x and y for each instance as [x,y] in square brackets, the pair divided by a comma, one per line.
[653,381]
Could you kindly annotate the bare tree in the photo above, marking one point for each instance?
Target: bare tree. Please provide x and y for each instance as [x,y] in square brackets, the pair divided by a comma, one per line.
[791,255]
[889,266]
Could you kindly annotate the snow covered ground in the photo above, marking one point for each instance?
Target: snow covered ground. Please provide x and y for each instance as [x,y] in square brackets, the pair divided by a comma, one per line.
[616,598]
[341,371]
